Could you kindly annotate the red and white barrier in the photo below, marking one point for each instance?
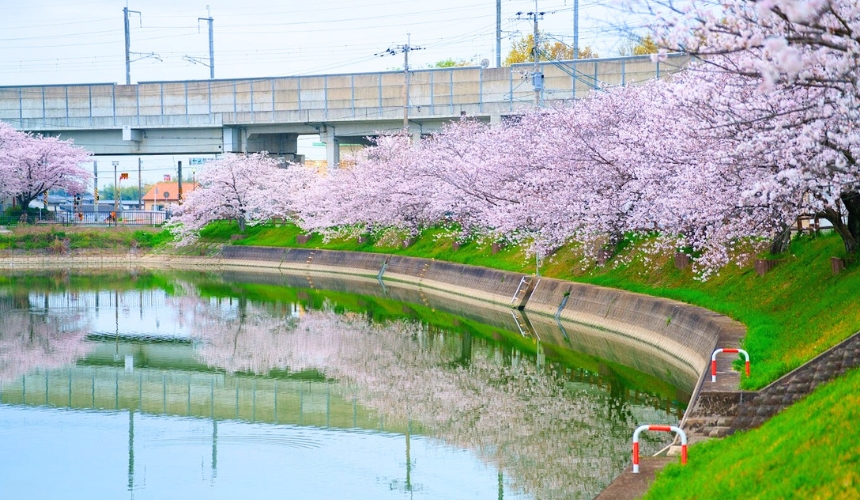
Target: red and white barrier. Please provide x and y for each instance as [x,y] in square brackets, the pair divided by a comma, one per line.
[714,361]
[662,428]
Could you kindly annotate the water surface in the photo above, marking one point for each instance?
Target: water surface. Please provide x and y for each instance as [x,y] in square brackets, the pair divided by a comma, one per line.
[153,385]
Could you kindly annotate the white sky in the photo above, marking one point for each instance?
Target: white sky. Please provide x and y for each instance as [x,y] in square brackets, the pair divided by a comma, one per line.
[82,41]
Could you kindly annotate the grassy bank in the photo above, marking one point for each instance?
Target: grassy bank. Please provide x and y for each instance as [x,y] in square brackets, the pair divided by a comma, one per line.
[793,313]
[61,239]
[808,451]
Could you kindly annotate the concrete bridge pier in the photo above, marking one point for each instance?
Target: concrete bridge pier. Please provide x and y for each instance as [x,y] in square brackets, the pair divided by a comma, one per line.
[332,146]
[280,144]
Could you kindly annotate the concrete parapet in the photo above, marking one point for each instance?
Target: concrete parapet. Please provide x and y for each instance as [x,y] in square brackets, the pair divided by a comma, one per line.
[357,263]
[609,324]
[663,338]
[253,254]
[491,285]
[603,322]
[61,262]
[689,333]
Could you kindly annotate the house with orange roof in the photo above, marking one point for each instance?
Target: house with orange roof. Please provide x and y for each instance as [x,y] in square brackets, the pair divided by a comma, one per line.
[163,194]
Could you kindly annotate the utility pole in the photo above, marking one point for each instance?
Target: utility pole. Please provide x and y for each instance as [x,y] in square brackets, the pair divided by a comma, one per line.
[179,188]
[406,84]
[405,49]
[125,13]
[116,193]
[498,33]
[211,45]
[139,184]
[196,60]
[96,188]
[537,76]
[128,52]
[576,29]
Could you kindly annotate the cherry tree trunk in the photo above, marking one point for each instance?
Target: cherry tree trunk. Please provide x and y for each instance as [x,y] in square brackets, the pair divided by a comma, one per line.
[851,199]
[843,229]
[24,200]
[781,242]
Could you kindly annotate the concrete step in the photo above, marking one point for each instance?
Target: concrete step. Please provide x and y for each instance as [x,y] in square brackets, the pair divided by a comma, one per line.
[719,431]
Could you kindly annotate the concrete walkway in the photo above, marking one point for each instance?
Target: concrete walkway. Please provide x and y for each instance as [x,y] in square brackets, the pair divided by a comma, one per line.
[629,486]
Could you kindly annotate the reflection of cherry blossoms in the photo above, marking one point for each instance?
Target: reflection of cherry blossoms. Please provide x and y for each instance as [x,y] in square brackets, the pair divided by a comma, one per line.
[45,341]
[551,439]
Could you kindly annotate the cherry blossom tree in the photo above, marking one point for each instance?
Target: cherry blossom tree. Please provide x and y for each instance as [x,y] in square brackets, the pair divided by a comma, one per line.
[32,165]
[382,190]
[624,160]
[247,188]
[718,160]
[802,56]
[10,140]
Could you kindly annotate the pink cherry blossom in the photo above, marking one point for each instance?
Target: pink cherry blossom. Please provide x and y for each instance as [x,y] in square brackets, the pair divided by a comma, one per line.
[31,165]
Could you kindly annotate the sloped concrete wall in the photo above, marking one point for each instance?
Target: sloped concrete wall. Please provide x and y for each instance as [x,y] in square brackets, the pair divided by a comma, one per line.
[481,283]
[686,332]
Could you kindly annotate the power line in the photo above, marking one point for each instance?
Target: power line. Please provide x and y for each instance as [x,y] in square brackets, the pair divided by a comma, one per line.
[405,50]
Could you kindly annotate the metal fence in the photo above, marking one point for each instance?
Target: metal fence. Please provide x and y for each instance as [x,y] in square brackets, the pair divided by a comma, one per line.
[89,217]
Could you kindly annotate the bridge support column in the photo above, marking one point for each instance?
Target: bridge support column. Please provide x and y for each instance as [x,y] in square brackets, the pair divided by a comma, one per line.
[232,140]
[276,144]
[332,147]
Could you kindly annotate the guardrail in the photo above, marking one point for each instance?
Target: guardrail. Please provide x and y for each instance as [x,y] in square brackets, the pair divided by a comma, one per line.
[728,350]
[660,428]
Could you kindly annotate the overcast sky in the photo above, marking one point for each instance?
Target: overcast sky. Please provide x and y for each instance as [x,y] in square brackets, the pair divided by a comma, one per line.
[82,41]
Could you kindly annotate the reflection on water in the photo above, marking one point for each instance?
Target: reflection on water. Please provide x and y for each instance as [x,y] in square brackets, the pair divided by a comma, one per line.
[40,339]
[197,393]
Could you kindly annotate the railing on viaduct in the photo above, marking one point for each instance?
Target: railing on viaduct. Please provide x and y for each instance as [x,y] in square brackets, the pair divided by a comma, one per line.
[435,93]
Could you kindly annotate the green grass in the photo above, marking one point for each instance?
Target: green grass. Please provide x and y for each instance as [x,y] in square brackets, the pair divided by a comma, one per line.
[792,314]
[808,451]
[433,244]
[51,239]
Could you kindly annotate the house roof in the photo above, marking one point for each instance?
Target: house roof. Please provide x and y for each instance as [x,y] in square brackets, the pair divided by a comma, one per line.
[168,191]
